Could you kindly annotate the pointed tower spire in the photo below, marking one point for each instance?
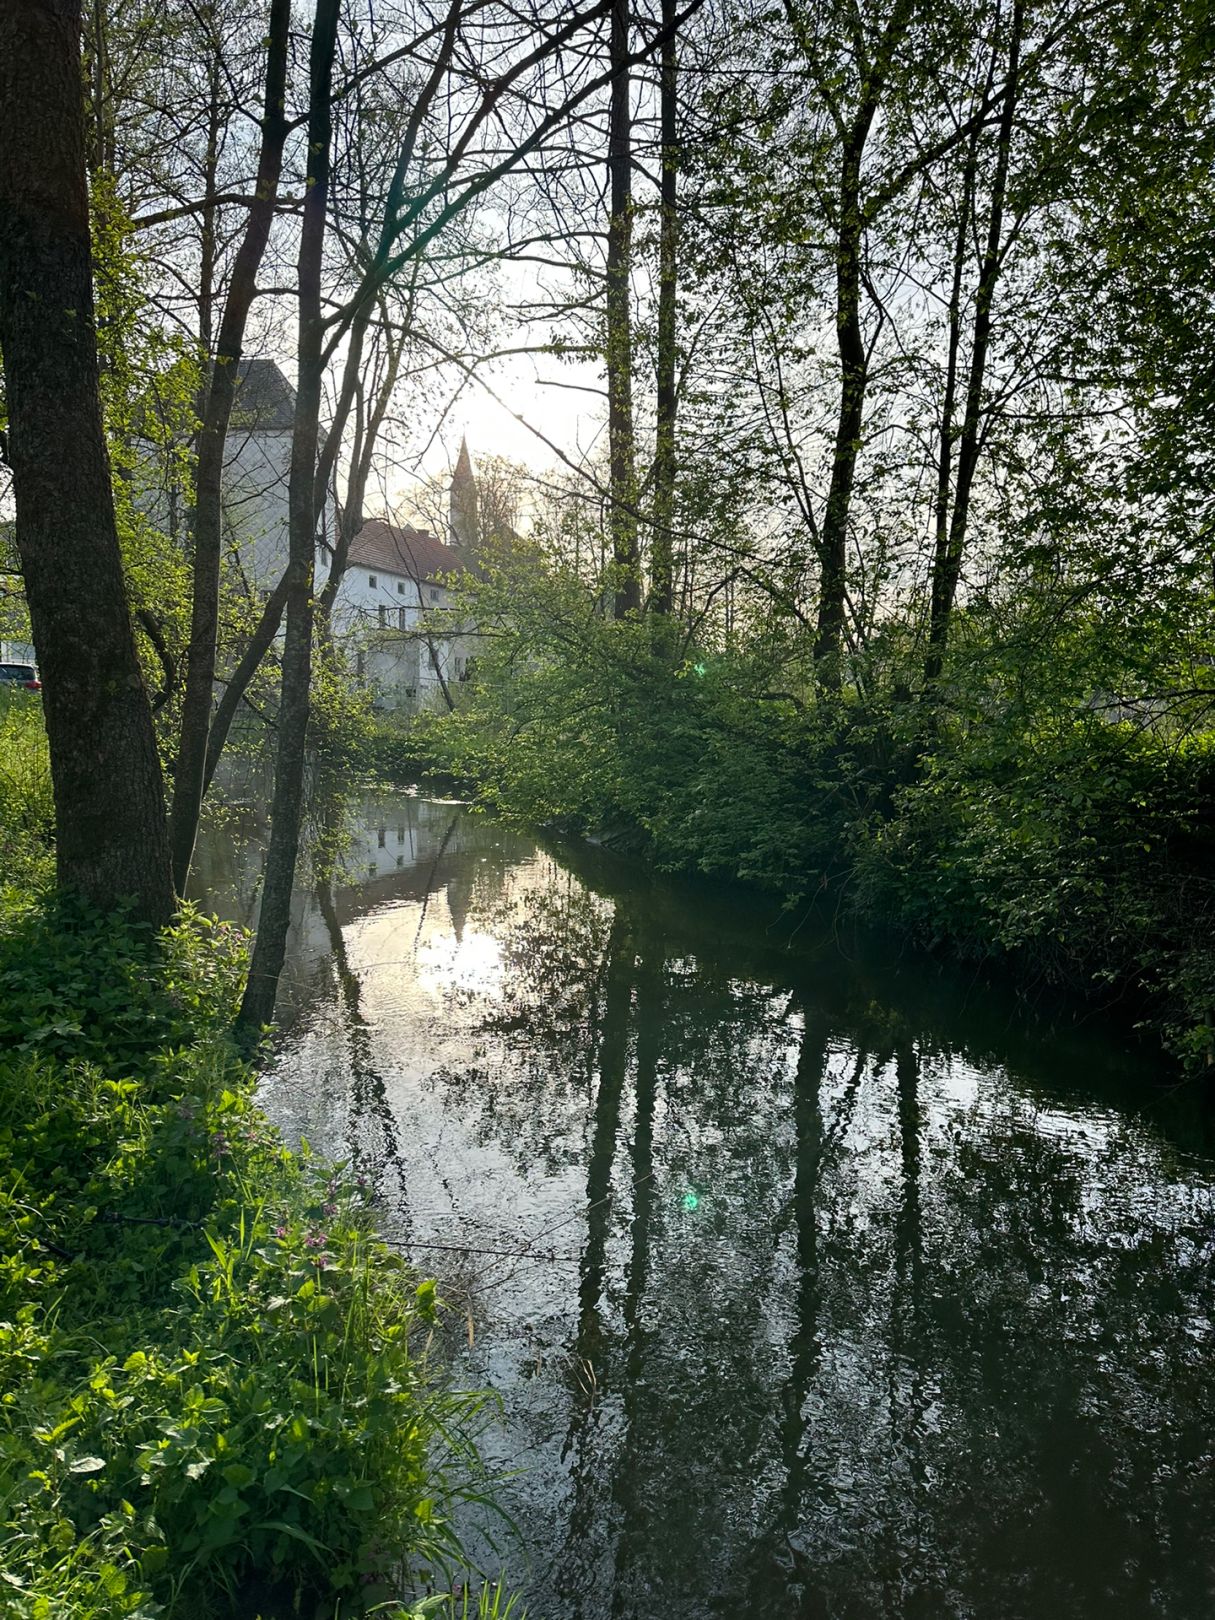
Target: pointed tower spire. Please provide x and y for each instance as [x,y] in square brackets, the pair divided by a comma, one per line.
[464,504]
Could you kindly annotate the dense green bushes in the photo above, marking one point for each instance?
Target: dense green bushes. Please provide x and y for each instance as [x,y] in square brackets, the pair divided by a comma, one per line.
[215,1392]
[1037,827]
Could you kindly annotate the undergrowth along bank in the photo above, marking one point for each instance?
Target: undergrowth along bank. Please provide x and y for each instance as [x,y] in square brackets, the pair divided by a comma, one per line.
[217,1399]
[1003,823]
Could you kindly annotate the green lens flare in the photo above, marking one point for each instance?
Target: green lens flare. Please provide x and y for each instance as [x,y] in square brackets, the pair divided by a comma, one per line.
[691,1200]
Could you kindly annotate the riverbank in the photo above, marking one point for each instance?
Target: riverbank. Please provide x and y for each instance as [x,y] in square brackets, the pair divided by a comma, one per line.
[1064,845]
[217,1396]
[764,1241]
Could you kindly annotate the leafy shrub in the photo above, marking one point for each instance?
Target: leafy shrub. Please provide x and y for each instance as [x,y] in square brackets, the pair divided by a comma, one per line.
[1013,819]
[216,1397]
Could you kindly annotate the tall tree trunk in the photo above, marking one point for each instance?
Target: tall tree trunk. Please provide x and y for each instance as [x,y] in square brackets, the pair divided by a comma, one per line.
[850,226]
[351,520]
[948,562]
[662,556]
[190,769]
[832,588]
[269,948]
[622,473]
[945,440]
[111,835]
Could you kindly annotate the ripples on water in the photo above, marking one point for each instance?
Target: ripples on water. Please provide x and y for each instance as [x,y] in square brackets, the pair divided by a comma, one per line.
[849,1290]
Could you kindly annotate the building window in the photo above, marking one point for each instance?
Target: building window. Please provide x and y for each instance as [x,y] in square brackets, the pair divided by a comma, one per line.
[371,580]
[434,660]
[401,834]
[434,595]
[400,860]
[383,617]
[401,617]
[360,665]
[400,587]
[380,836]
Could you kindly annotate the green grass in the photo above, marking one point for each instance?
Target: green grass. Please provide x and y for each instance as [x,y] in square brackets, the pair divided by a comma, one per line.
[217,1397]
[27,812]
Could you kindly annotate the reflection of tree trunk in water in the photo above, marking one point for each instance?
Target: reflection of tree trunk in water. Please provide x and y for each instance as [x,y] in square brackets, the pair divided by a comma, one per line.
[368,1099]
[805,1346]
[630,1497]
[613,1064]
[430,876]
[909,1271]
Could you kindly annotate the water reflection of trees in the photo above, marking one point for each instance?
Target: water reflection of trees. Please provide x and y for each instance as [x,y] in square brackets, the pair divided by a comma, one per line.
[879,1309]
[859,1331]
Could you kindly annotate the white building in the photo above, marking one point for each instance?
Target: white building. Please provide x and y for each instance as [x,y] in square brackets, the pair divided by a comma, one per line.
[390,610]
[257,474]
[395,615]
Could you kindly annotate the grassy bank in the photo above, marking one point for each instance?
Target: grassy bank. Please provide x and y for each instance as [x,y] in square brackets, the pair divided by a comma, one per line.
[1006,823]
[216,1394]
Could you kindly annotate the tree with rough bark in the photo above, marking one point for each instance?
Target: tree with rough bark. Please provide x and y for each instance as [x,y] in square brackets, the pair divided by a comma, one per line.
[111,834]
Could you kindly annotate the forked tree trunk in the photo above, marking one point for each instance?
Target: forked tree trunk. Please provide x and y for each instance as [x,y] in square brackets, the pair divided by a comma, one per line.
[111,834]
[269,948]
[190,771]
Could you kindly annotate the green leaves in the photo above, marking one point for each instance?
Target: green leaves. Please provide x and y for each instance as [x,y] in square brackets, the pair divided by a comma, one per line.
[225,1383]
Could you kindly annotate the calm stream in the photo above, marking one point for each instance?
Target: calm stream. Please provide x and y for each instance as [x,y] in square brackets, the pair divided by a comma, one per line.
[815,1280]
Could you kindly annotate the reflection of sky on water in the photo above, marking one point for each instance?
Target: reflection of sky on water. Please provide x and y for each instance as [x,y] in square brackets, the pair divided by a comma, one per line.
[848,1288]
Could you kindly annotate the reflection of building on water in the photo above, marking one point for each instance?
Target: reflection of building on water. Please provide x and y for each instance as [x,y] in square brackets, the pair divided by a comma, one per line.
[397,848]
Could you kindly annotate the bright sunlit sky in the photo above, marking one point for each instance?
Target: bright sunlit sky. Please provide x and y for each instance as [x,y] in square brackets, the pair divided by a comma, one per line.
[529,408]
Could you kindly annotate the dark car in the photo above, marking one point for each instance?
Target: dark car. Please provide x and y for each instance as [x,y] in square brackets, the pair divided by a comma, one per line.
[25,675]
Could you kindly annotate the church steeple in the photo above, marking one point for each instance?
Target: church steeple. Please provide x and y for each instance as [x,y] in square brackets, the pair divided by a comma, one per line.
[464,505]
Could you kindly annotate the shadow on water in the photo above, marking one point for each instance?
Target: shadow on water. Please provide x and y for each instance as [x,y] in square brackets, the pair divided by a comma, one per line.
[817,1280]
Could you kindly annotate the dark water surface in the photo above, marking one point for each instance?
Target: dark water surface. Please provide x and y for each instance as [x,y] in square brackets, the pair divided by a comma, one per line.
[848,1287]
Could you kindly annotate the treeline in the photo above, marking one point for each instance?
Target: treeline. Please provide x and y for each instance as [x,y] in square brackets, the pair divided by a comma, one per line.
[928,625]
[901,315]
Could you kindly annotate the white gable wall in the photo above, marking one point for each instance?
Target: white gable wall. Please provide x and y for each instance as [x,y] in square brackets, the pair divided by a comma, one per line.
[396,624]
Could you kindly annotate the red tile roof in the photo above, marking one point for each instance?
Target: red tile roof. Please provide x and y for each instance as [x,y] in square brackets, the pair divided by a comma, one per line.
[402,549]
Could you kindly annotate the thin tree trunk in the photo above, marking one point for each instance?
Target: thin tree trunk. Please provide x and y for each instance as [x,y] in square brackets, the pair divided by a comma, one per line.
[207,246]
[949,400]
[853,383]
[662,558]
[854,362]
[111,836]
[237,684]
[362,452]
[948,567]
[349,523]
[257,1007]
[190,769]
[621,455]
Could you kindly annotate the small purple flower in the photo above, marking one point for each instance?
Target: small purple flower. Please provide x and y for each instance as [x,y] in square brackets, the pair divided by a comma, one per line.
[329,1208]
[315,1240]
[280,1231]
